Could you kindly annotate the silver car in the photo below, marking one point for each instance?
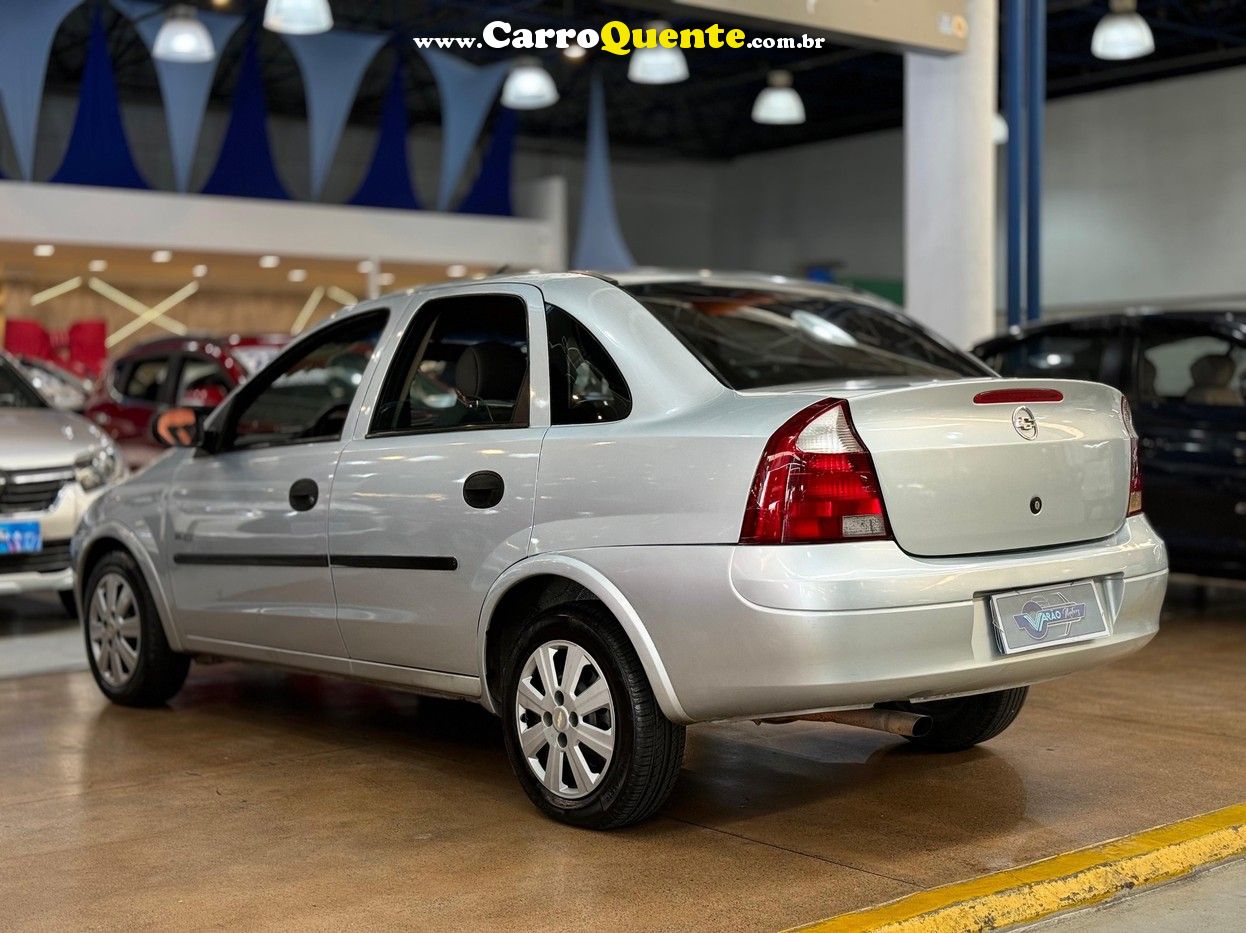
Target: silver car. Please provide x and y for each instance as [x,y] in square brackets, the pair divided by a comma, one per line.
[606,509]
[52,465]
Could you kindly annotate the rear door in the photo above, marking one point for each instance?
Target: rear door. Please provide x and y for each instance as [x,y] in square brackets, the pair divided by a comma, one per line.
[1188,404]
[434,496]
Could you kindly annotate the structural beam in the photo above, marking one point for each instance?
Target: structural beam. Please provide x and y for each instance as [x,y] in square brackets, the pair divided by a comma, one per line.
[949,183]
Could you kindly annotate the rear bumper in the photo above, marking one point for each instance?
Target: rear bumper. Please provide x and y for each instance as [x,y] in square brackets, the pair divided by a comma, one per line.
[750,632]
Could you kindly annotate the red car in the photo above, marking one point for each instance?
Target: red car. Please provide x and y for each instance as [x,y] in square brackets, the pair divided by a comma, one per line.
[184,371]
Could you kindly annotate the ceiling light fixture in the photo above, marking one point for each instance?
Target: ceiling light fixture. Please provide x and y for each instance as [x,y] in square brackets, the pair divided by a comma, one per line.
[44,250]
[528,86]
[999,129]
[298,17]
[386,278]
[297,275]
[270,262]
[574,53]
[456,271]
[162,255]
[98,265]
[1122,34]
[199,271]
[778,104]
[364,267]
[657,64]
[183,38]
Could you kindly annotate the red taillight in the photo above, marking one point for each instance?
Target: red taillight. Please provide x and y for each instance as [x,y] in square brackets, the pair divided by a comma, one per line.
[815,483]
[1135,473]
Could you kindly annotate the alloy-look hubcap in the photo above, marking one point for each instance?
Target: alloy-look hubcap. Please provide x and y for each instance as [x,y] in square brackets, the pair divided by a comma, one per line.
[564,716]
[113,628]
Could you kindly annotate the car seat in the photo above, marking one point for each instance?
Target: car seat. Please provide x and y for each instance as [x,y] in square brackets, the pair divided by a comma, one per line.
[1211,375]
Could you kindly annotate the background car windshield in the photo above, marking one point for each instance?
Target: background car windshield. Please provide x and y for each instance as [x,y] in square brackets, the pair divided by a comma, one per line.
[15,391]
[752,338]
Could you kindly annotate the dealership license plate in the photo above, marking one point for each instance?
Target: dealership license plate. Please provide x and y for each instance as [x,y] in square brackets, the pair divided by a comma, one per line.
[20,538]
[1050,615]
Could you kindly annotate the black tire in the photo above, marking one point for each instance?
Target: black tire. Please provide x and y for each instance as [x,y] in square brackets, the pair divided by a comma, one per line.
[649,748]
[159,671]
[964,722]
[70,604]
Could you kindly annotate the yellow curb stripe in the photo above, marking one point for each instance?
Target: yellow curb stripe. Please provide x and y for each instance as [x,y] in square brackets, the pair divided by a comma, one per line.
[1075,879]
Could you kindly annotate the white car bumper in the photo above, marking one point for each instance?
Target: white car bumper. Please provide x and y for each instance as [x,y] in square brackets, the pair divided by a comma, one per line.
[51,569]
[756,631]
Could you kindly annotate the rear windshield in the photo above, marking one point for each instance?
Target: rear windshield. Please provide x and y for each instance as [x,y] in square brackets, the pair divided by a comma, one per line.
[15,391]
[757,338]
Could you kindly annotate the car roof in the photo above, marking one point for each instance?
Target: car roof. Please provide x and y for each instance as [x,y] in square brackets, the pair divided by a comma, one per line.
[223,342]
[1235,319]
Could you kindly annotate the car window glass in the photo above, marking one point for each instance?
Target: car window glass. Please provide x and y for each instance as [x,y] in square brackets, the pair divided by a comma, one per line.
[15,391]
[145,378]
[462,364]
[307,397]
[202,382]
[1057,355]
[1194,369]
[753,338]
[584,384]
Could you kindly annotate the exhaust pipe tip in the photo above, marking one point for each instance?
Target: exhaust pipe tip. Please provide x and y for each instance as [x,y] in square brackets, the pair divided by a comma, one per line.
[921,726]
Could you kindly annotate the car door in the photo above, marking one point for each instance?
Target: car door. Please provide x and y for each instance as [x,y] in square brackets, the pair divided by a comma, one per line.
[248,518]
[1189,410]
[433,497]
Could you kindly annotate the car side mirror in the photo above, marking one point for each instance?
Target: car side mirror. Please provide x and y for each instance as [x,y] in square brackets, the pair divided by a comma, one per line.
[178,427]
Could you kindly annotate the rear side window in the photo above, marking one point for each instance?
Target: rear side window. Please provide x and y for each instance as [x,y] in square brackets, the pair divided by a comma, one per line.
[144,379]
[463,364]
[1191,368]
[753,338]
[1055,355]
[585,386]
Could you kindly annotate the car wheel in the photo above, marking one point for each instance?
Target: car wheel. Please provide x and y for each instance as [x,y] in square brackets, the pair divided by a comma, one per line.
[70,604]
[126,648]
[584,733]
[963,722]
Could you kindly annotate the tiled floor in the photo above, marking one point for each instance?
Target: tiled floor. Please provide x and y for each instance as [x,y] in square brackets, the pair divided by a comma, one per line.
[270,800]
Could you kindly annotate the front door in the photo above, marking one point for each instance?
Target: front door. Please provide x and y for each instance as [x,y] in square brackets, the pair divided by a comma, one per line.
[1191,418]
[433,497]
[249,522]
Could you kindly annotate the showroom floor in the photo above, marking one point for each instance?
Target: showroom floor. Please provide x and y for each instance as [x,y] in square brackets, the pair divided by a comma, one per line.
[265,800]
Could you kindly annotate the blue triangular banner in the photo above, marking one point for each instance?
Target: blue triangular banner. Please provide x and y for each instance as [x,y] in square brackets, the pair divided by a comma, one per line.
[467,93]
[388,181]
[98,153]
[245,166]
[25,42]
[599,241]
[491,191]
[183,86]
[332,64]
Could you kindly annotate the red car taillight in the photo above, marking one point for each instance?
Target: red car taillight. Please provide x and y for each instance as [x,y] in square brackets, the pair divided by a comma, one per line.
[1135,473]
[815,483]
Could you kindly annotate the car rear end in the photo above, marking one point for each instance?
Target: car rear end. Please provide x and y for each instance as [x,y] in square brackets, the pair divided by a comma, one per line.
[885,538]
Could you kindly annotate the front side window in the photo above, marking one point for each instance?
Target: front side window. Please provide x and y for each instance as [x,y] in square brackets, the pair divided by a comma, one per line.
[463,364]
[1192,369]
[585,386]
[15,391]
[306,396]
[144,379]
[1064,355]
[752,338]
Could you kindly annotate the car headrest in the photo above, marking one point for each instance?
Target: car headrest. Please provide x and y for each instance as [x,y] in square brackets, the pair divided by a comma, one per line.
[1212,371]
[492,371]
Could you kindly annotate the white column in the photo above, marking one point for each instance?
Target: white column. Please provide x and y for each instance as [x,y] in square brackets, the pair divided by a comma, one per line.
[949,183]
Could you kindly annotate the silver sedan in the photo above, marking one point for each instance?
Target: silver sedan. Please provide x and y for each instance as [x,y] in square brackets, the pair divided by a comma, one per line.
[606,509]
